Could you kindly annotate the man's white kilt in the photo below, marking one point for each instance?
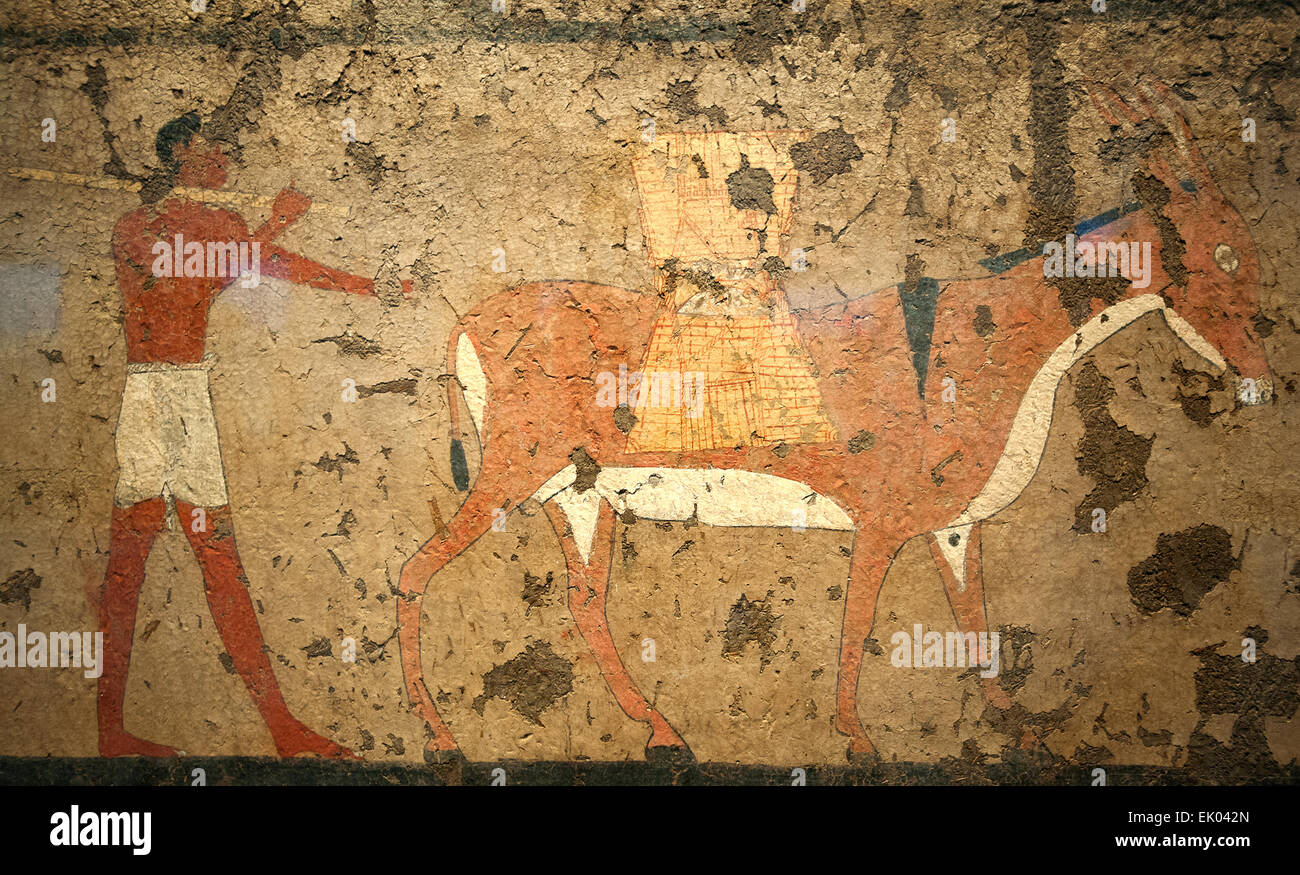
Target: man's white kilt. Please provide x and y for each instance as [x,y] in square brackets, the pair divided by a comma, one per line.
[167,437]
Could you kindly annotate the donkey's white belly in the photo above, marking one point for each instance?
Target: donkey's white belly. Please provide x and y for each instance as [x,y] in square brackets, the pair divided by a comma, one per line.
[714,496]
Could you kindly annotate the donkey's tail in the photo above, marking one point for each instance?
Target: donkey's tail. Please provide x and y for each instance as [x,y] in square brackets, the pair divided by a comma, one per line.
[467,374]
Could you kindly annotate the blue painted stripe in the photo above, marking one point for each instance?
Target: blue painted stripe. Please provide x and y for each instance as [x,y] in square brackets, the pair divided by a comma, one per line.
[1007,260]
[1004,262]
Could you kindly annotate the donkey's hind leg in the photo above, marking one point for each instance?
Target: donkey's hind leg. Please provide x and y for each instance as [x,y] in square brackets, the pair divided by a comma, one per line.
[470,522]
[960,546]
[873,553]
[585,527]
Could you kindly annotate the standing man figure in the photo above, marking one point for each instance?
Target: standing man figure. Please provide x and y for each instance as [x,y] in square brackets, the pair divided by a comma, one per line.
[167,447]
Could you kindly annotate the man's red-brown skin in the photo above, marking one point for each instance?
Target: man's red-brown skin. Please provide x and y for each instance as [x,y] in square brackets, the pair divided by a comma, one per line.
[165,320]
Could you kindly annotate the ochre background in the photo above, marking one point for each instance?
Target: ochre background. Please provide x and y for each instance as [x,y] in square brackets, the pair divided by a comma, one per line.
[476,133]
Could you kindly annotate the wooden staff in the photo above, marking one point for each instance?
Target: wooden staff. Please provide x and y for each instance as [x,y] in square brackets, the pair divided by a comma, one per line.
[206,195]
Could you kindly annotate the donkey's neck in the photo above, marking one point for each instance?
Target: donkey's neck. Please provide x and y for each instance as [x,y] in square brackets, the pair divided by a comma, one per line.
[1112,257]
[1098,306]
[1028,435]
[1102,326]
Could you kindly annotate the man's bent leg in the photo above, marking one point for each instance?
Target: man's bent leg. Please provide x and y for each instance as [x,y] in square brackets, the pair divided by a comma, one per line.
[133,532]
[212,535]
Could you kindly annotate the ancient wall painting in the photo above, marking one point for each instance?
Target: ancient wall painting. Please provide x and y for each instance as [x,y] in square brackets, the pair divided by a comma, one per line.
[688,438]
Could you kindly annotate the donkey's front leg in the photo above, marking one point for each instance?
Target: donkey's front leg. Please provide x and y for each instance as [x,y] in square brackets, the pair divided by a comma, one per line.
[873,552]
[592,527]
[966,595]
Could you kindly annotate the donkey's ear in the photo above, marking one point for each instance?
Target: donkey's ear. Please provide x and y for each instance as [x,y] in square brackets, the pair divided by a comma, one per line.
[1163,104]
[1112,108]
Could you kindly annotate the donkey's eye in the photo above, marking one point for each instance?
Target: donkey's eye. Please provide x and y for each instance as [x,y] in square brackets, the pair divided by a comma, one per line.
[1226,258]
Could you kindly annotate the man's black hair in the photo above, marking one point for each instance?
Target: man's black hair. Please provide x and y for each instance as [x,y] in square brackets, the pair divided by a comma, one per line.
[177,132]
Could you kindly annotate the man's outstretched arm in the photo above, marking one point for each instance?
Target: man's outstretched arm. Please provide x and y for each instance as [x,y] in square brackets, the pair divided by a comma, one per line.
[283,264]
[276,261]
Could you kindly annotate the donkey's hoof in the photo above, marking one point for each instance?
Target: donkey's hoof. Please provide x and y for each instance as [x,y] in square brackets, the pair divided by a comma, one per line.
[1029,741]
[435,756]
[995,695]
[862,752]
[675,755]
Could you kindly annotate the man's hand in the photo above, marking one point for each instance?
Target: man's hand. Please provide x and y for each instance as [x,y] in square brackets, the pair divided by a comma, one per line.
[391,291]
[290,204]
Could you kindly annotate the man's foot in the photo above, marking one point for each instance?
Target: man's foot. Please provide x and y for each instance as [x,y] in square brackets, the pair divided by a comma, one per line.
[123,744]
[300,740]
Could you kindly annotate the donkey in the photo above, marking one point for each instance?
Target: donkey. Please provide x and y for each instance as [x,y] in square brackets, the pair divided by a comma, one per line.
[911,459]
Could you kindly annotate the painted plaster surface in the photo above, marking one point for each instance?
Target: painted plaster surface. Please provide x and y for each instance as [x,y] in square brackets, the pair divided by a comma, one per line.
[648,385]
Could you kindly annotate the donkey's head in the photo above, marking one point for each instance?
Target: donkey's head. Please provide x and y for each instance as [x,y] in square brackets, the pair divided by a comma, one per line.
[1205,245]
